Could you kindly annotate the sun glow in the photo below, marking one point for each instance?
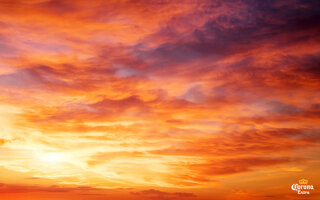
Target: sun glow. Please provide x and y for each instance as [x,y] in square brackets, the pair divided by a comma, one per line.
[52,157]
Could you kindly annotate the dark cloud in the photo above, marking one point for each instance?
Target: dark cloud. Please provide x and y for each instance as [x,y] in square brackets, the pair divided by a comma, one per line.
[253,25]
[37,77]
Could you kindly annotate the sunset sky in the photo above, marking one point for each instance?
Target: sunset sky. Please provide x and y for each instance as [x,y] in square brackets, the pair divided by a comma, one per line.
[159,100]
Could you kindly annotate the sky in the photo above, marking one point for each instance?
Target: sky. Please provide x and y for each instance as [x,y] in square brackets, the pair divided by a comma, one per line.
[159,100]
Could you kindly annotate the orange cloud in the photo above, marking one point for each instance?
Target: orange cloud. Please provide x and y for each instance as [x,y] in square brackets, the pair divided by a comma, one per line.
[167,99]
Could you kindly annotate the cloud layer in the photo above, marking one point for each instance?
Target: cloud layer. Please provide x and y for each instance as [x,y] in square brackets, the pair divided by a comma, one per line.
[172,99]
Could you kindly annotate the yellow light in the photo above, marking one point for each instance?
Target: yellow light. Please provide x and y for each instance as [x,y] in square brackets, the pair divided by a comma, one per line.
[52,157]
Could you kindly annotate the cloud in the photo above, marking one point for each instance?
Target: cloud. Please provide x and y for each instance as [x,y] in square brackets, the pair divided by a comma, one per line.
[156,194]
[101,158]
[10,188]
[2,141]
[232,166]
[159,94]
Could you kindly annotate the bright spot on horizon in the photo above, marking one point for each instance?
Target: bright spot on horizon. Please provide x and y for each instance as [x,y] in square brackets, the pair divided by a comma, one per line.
[52,157]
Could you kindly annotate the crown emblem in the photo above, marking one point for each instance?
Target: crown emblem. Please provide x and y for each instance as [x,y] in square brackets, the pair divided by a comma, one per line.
[303,181]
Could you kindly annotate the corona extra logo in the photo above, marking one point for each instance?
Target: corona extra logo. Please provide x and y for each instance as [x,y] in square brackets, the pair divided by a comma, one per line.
[303,181]
[302,187]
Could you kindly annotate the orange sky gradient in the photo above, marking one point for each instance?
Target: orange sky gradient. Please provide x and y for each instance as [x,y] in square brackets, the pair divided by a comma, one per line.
[159,100]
